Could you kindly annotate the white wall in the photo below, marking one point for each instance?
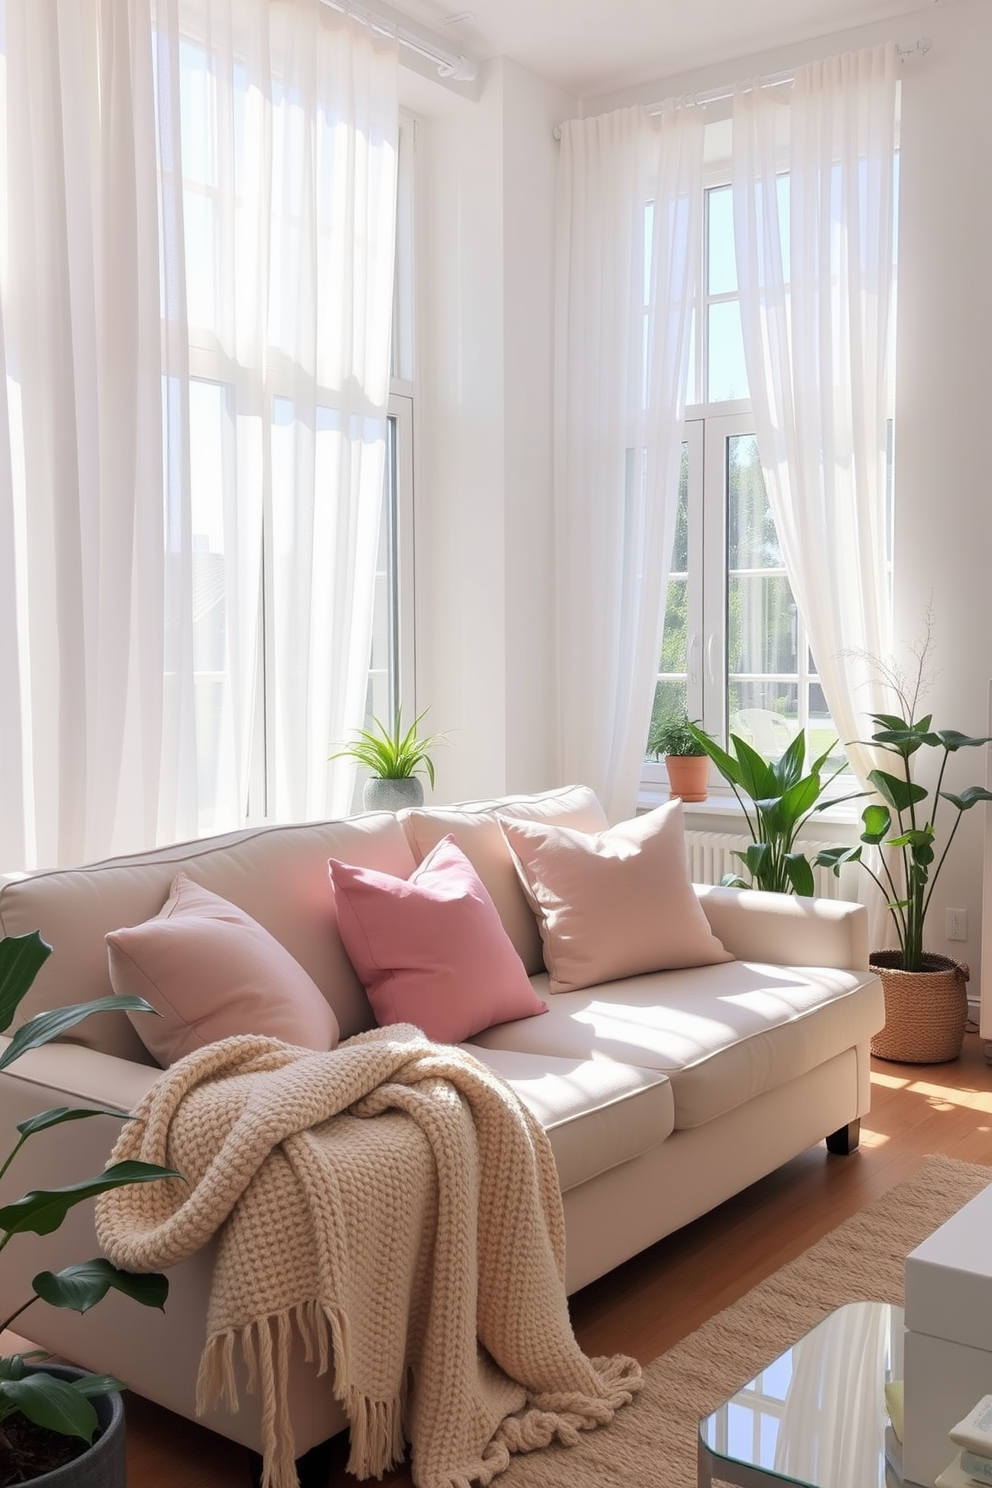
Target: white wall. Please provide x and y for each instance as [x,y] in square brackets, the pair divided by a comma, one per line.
[943,533]
[484,457]
[483,523]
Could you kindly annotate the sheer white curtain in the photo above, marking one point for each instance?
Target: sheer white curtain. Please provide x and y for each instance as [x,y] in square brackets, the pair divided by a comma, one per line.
[628,219]
[195,296]
[82,726]
[287,125]
[815,271]
[830,1431]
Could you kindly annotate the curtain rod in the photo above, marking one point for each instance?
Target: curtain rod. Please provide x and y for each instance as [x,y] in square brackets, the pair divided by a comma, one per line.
[918,48]
[452,65]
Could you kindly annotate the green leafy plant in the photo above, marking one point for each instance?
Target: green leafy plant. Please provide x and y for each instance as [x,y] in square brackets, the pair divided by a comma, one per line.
[56,1404]
[674,735]
[393,753]
[904,823]
[782,794]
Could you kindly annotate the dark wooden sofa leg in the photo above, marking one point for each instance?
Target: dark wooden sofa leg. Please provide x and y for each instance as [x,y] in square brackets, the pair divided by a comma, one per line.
[846,1139]
[313,1469]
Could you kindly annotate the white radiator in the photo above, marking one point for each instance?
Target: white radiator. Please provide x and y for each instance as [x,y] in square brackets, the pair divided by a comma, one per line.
[711,855]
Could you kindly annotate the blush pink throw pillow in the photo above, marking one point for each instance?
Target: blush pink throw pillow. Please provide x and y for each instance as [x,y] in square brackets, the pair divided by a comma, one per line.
[212,971]
[431,949]
[615,903]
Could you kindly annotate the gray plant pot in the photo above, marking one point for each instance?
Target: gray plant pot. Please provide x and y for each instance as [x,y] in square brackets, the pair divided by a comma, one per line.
[104,1464]
[380,794]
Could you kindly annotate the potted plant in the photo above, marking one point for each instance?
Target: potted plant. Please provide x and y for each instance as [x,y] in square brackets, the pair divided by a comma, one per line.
[783,794]
[61,1427]
[926,1005]
[686,761]
[393,756]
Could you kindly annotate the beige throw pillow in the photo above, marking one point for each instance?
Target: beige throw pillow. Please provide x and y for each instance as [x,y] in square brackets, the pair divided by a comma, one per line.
[614,903]
[212,971]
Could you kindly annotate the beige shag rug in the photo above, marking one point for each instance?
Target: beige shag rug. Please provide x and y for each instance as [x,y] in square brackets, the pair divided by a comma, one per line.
[652,1444]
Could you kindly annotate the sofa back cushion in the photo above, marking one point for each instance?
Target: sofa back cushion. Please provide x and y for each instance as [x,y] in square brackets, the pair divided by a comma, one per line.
[277,875]
[475,827]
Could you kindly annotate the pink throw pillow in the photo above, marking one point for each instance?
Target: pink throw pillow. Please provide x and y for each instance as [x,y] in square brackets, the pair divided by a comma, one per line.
[213,971]
[615,903]
[431,949]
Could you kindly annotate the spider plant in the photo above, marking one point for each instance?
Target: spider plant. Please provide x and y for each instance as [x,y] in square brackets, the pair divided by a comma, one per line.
[392,752]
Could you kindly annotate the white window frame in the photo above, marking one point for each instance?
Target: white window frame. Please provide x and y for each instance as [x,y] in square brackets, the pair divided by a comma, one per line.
[396,688]
[706,434]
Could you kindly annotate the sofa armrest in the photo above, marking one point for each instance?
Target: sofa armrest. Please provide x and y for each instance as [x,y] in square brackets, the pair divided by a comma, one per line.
[63,1073]
[783,929]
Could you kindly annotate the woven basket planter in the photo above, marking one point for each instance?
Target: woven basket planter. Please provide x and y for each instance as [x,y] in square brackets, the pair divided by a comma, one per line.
[925,1011]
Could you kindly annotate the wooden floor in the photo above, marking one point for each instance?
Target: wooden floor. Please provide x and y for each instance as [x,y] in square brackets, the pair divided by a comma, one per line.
[645,1306]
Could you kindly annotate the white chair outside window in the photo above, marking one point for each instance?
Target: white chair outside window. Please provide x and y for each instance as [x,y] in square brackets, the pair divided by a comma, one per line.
[767,732]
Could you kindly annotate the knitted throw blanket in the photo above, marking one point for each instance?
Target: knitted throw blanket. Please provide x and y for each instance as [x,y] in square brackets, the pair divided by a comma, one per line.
[398,1206]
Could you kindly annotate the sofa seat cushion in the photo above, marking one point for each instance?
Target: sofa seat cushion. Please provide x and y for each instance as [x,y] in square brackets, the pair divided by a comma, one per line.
[723,1034]
[597,1113]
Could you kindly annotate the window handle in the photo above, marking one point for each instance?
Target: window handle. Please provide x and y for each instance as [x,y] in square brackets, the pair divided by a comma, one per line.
[691,654]
[710,644]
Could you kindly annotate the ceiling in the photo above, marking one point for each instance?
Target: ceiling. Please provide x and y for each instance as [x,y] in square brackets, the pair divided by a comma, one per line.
[591,47]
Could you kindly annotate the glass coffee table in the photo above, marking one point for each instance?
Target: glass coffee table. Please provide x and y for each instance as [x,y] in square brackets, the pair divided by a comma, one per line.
[816,1416]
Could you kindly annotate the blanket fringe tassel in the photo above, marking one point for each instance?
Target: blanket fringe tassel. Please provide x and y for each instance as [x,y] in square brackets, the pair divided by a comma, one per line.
[376,1426]
[376,1436]
[377,1441]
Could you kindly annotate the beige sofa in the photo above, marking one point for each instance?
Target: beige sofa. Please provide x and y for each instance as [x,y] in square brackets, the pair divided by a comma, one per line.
[663,1094]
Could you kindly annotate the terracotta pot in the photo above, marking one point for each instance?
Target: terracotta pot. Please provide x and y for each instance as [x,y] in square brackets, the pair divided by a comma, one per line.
[925,1011]
[688,776]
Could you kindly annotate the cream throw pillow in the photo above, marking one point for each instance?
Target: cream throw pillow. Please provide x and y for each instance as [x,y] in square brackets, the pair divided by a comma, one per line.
[615,903]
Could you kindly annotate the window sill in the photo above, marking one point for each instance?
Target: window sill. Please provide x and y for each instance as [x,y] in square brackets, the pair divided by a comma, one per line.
[722,812]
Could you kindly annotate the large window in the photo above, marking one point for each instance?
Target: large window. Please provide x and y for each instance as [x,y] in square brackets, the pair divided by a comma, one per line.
[734,654]
[223,421]
[391,658]
[202,470]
